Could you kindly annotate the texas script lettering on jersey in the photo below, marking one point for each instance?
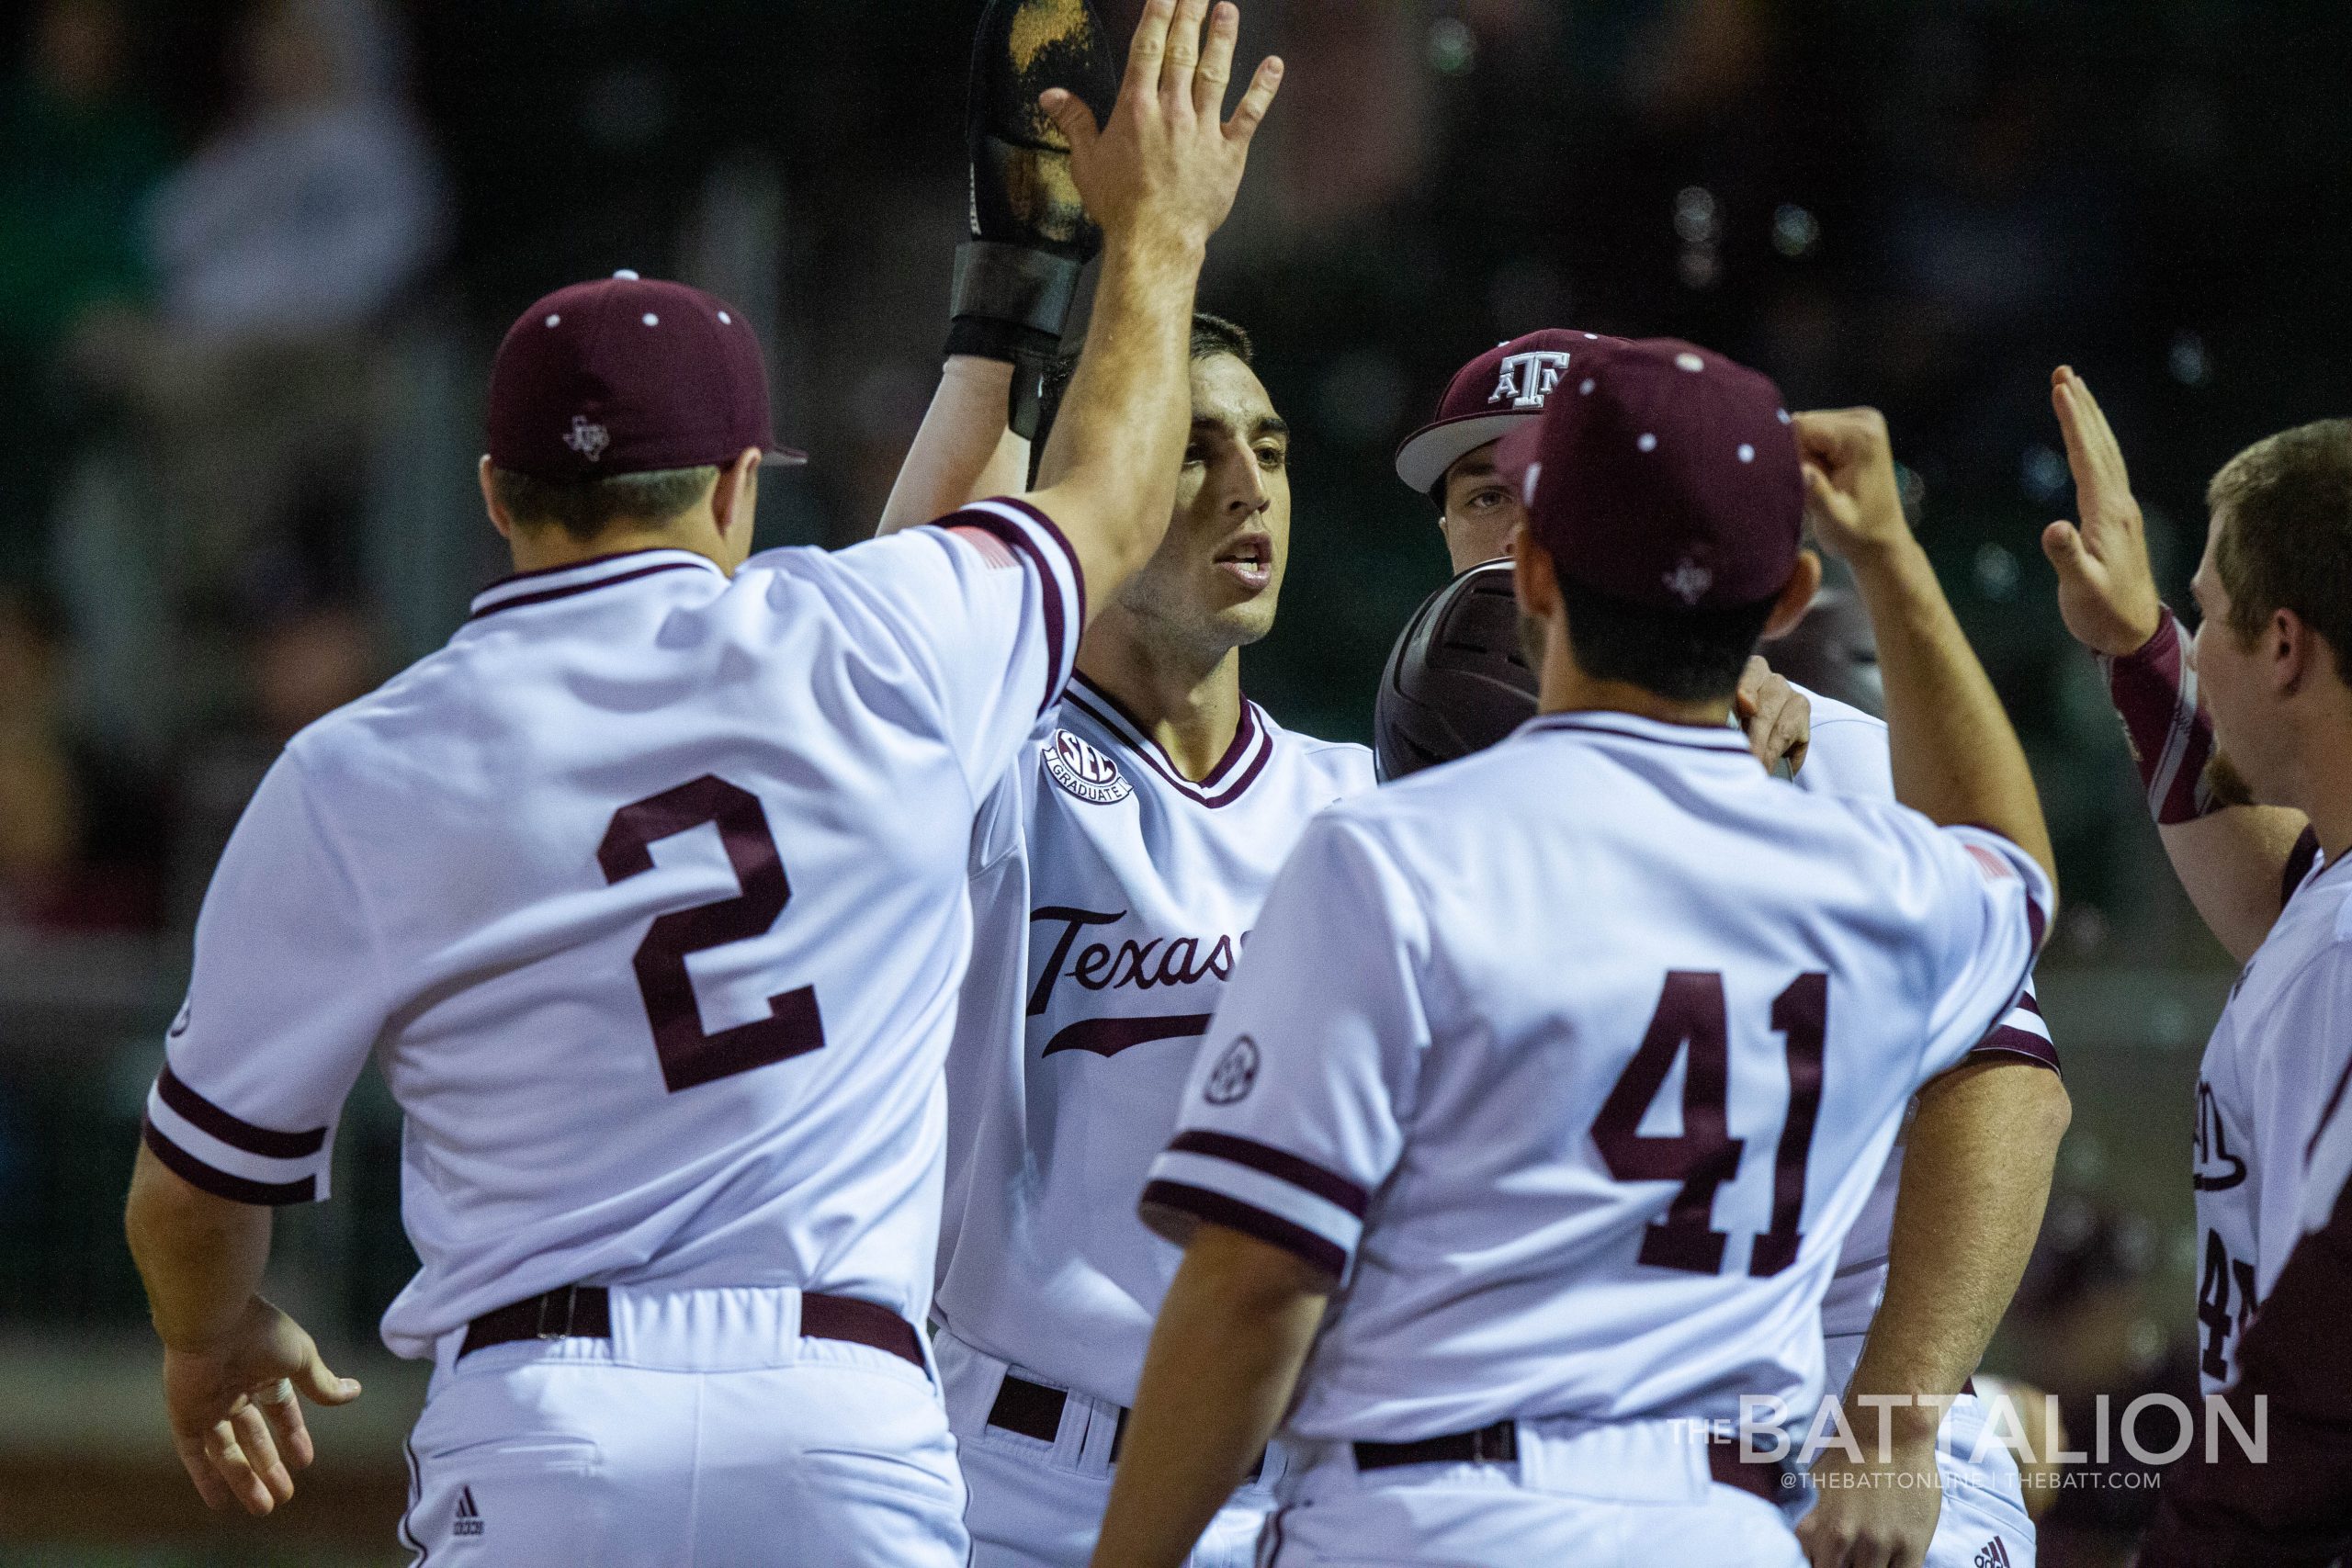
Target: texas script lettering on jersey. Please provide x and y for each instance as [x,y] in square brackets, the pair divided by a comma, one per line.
[1142,965]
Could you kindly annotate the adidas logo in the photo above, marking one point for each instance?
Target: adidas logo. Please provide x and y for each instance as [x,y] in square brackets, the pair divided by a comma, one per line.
[468,1520]
[1994,1555]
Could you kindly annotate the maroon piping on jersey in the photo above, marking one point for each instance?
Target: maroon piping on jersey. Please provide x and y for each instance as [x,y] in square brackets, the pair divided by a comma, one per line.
[1279,1164]
[1234,1215]
[1061,653]
[2010,1042]
[568,590]
[1703,738]
[221,1183]
[1212,791]
[238,1133]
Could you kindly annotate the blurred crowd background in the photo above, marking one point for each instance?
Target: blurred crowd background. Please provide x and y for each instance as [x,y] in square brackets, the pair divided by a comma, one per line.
[254,254]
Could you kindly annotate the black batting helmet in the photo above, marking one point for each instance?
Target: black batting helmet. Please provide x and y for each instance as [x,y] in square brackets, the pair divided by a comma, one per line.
[1457,681]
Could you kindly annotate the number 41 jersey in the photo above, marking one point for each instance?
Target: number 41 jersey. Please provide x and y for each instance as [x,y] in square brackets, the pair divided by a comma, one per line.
[1575,1060]
[647,894]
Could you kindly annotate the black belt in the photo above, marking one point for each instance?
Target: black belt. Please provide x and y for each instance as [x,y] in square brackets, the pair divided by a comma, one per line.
[1034,1410]
[586,1312]
[1498,1444]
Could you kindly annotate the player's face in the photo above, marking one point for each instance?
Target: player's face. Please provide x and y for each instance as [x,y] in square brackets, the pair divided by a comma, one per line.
[1481,510]
[1216,577]
[2233,680]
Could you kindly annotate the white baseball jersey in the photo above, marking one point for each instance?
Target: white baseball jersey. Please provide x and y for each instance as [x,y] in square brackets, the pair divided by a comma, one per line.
[2276,1065]
[1849,756]
[1575,1060]
[647,894]
[1112,895]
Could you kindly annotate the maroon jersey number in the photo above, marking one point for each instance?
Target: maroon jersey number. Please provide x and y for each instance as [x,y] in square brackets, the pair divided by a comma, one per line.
[1691,1019]
[689,1055]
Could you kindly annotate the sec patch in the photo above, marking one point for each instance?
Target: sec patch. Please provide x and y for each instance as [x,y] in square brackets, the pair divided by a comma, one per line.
[1085,769]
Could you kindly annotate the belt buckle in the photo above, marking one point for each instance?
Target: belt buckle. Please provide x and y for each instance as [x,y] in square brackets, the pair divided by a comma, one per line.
[570,1294]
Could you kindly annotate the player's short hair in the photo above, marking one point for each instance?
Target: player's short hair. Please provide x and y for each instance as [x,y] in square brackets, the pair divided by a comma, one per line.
[586,508]
[1214,335]
[1684,656]
[2287,542]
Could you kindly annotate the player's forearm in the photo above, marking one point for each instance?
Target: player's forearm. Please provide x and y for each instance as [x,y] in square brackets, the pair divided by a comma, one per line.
[200,1256]
[2230,863]
[1957,759]
[2228,853]
[1224,1355]
[962,452]
[1110,468]
[1976,1170]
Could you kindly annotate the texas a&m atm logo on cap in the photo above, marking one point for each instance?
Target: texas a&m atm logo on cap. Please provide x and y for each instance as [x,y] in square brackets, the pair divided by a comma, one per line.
[1085,771]
[1528,379]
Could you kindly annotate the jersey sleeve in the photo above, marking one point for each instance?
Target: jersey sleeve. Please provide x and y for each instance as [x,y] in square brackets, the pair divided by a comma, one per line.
[990,603]
[1294,1114]
[1990,909]
[284,1005]
[2022,1035]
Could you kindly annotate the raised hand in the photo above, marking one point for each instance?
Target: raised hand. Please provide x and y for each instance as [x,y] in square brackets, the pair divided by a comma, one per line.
[2107,591]
[1164,165]
[1850,491]
[235,1416]
[1777,717]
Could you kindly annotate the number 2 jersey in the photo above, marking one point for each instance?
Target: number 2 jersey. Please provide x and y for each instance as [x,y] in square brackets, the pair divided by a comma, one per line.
[1112,899]
[647,892]
[2273,1070]
[1575,1060]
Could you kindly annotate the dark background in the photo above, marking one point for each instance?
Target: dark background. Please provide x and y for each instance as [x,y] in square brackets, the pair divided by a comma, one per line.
[1922,206]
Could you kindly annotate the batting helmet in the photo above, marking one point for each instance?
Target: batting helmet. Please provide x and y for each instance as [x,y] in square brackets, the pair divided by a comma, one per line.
[1457,679]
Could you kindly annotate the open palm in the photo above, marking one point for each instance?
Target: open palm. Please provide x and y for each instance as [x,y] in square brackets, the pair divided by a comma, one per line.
[2107,591]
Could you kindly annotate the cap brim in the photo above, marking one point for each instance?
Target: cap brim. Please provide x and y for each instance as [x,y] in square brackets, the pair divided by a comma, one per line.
[782,458]
[1426,454]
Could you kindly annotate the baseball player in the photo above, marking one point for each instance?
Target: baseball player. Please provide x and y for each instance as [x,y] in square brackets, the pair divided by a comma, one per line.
[1114,875]
[646,893]
[2244,747]
[1451,460]
[1969,1177]
[1573,1103]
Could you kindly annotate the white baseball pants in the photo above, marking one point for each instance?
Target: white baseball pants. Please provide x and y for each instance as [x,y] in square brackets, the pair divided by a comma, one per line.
[1983,1523]
[1626,1494]
[705,1433]
[1039,1504]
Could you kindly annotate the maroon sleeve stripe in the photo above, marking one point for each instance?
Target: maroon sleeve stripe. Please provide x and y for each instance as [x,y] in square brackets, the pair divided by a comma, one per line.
[234,1130]
[1279,1164]
[1060,655]
[1053,531]
[1234,1215]
[2012,1043]
[2028,1002]
[220,1184]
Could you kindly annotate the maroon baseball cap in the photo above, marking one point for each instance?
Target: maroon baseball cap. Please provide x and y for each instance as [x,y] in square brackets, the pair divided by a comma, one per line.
[1664,475]
[1490,398]
[629,375]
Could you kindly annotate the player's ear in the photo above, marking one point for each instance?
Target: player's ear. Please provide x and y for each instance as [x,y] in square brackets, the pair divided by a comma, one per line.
[500,518]
[1796,595]
[1531,577]
[737,498]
